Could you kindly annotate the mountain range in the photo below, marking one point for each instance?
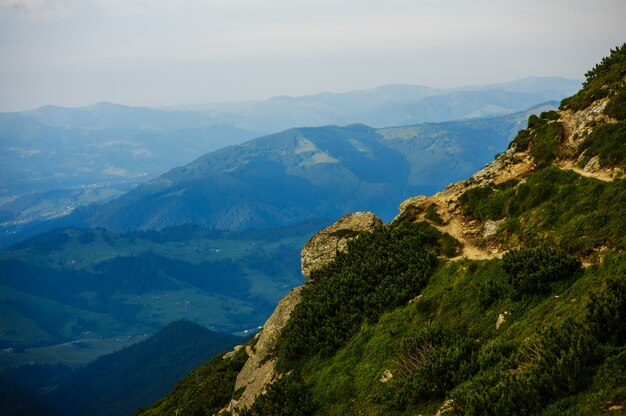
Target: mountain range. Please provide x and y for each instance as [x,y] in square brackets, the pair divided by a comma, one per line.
[303,173]
[389,105]
[55,159]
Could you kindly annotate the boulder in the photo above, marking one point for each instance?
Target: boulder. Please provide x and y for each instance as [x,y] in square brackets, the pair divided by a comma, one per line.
[322,248]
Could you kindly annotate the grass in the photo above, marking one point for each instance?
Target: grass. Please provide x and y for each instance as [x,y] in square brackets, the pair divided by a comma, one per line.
[349,383]
[552,206]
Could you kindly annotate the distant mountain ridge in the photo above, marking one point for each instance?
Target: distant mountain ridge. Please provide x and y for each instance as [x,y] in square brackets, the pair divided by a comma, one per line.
[94,153]
[303,173]
[389,105]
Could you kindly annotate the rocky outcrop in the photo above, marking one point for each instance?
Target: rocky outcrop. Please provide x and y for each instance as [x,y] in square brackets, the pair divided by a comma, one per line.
[259,369]
[578,125]
[322,248]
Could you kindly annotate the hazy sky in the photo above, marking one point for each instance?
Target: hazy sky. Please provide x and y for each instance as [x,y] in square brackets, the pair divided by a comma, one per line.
[164,52]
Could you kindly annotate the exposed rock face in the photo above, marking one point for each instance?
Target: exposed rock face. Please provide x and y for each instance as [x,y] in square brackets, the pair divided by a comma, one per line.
[579,124]
[490,228]
[322,248]
[258,371]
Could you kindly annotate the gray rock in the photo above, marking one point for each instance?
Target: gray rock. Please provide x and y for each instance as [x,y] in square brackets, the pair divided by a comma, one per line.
[490,228]
[322,248]
[387,375]
[259,371]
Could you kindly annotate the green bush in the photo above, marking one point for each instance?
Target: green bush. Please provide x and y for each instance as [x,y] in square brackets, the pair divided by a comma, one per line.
[535,270]
[286,397]
[601,81]
[380,271]
[431,214]
[556,364]
[607,310]
[608,142]
[616,108]
[554,206]
[545,141]
[434,360]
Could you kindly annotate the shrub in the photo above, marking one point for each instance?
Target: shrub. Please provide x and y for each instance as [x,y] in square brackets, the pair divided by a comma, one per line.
[556,364]
[616,107]
[607,310]
[534,270]
[380,271]
[601,81]
[608,142]
[432,215]
[434,360]
[286,397]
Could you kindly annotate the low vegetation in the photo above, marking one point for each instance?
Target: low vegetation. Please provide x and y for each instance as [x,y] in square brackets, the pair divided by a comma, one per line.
[556,207]
[603,80]
[608,142]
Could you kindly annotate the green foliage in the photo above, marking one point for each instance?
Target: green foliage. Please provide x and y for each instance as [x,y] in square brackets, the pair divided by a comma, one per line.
[545,142]
[535,270]
[204,391]
[432,215]
[601,81]
[606,65]
[542,137]
[486,202]
[554,206]
[434,360]
[286,397]
[616,107]
[607,309]
[607,141]
[555,364]
[381,270]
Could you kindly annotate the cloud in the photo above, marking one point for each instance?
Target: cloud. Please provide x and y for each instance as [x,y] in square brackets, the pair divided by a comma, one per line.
[133,7]
[37,9]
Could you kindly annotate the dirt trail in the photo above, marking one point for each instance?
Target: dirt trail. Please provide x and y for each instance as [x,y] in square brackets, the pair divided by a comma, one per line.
[455,227]
[603,175]
[576,126]
[454,224]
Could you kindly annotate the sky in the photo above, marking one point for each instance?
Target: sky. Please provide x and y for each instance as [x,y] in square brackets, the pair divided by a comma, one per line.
[174,52]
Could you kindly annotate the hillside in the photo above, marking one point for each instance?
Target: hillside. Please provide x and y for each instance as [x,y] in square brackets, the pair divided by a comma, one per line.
[105,290]
[117,383]
[122,382]
[101,145]
[503,294]
[305,173]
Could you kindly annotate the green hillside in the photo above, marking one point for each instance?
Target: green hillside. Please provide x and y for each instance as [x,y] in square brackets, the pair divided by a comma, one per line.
[122,382]
[528,320]
[107,289]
